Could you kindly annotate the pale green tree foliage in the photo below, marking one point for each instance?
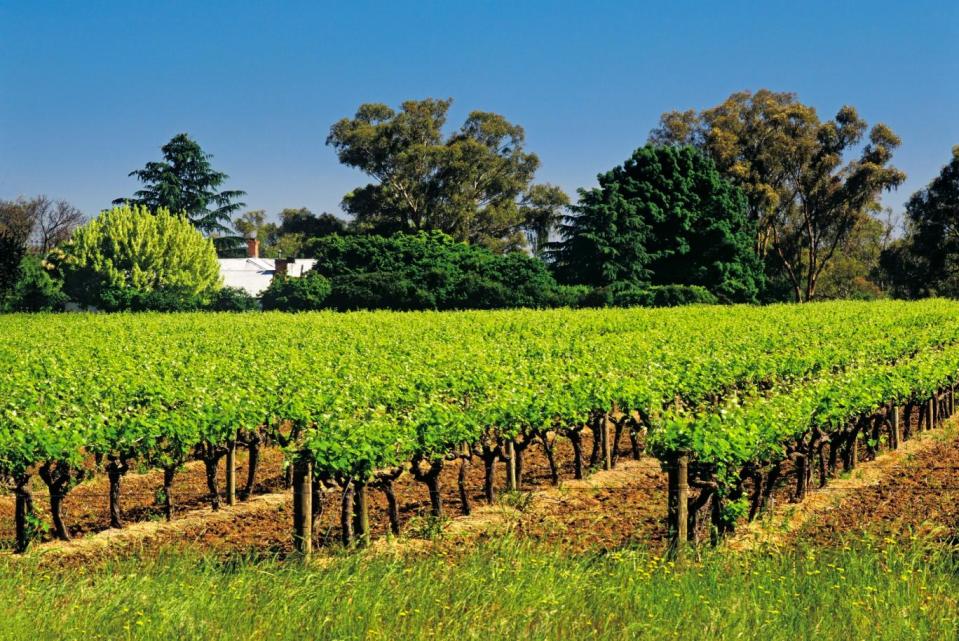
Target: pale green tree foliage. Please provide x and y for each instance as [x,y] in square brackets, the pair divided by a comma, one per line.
[128,253]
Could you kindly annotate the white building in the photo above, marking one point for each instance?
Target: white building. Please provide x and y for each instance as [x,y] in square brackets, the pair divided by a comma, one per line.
[254,274]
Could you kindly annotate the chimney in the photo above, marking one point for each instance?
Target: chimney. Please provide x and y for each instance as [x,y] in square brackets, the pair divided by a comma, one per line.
[281,265]
[252,248]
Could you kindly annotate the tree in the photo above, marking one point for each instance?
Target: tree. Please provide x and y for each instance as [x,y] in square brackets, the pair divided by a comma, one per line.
[304,222]
[53,223]
[15,228]
[666,216]
[127,254]
[185,182]
[473,185]
[545,205]
[292,237]
[926,263]
[804,198]
[855,272]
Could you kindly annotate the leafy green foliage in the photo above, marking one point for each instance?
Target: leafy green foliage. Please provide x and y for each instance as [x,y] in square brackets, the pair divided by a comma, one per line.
[131,258]
[306,293]
[185,182]
[474,185]
[36,290]
[15,227]
[805,194]
[373,390]
[926,263]
[429,271]
[622,295]
[665,217]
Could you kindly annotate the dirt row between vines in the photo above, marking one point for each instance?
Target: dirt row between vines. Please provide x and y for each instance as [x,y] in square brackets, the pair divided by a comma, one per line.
[907,492]
[901,494]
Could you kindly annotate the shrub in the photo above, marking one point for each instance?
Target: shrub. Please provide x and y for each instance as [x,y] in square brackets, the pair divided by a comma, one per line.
[429,271]
[36,290]
[306,293]
[625,295]
[130,258]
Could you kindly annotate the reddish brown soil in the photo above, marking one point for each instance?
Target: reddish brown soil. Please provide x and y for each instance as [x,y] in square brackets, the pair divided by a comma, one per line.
[920,497]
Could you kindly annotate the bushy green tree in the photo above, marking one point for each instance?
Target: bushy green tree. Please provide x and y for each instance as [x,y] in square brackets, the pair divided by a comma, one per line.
[306,293]
[128,253]
[666,216]
[36,290]
[185,182]
[926,262]
[15,227]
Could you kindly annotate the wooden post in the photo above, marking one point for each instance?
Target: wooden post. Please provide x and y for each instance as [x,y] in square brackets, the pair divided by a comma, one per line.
[930,412]
[303,506]
[678,508]
[896,427]
[362,515]
[511,466]
[231,473]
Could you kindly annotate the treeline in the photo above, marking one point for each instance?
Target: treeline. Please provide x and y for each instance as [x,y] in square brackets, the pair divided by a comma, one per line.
[755,200]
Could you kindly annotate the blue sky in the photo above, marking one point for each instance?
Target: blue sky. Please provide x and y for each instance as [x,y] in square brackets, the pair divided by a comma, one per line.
[90,90]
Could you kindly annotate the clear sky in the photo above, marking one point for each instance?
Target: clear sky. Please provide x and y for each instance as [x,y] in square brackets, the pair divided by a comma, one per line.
[90,90]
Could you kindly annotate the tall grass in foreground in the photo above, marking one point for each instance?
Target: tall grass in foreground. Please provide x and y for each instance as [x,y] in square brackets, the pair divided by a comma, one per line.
[506,590]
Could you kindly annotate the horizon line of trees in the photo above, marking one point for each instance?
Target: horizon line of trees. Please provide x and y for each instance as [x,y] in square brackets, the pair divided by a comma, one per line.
[757,199]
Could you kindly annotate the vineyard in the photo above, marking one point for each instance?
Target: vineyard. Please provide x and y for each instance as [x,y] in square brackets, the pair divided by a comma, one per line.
[735,403]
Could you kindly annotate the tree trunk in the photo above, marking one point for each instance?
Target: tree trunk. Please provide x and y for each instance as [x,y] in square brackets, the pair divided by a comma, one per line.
[362,515]
[511,485]
[436,498]
[576,438]
[57,475]
[634,443]
[489,468]
[168,473]
[116,468]
[211,463]
[23,513]
[392,509]
[316,508]
[346,514]
[617,435]
[461,482]
[253,447]
[802,477]
[551,459]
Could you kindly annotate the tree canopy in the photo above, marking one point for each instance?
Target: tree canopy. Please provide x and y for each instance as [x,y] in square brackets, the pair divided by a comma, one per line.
[666,216]
[474,185]
[129,252]
[804,196]
[926,262]
[185,182]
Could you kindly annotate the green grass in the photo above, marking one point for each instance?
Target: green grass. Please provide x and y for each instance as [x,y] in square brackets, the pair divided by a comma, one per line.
[507,590]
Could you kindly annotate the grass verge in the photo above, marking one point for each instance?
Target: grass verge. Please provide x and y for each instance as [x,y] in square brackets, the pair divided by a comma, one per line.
[503,590]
